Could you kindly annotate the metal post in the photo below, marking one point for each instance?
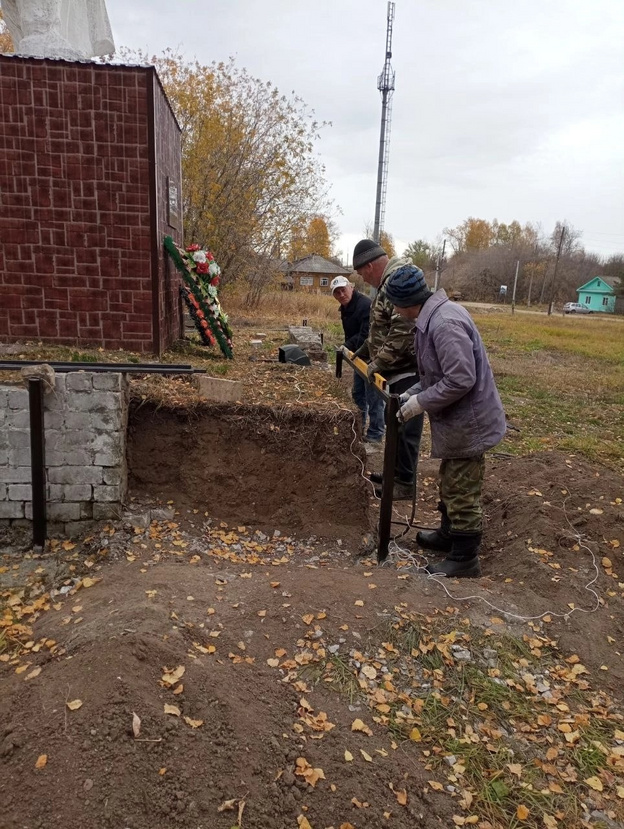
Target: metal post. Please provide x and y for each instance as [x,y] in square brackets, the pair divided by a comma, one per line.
[513,297]
[37,462]
[339,358]
[387,491]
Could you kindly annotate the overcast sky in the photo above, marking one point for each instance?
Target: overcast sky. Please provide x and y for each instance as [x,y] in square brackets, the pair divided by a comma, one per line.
[507,109]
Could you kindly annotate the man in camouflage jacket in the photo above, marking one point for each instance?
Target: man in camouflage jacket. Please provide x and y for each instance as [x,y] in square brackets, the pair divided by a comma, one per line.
[389,351]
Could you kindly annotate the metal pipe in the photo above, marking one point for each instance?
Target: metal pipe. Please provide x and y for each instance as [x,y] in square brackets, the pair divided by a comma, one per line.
[37,462]
[390,452]
[387,490]
[124,368]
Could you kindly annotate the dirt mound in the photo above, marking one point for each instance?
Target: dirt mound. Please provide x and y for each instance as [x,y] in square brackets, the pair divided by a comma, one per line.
[285,468]
[240,731]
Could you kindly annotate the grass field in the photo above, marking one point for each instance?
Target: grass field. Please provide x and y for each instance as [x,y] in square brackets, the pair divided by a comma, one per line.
[561,379]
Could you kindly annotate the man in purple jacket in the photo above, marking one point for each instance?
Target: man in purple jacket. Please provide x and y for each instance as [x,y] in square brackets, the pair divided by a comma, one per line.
[458,392]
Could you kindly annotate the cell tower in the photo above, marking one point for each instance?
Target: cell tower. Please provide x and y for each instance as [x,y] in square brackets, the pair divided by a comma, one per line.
[385,84]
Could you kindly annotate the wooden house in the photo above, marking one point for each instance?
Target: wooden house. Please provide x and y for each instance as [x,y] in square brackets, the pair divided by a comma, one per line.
[599,294]
[313,274]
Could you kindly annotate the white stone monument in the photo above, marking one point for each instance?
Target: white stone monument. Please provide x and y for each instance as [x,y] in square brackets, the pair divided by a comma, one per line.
[71,29]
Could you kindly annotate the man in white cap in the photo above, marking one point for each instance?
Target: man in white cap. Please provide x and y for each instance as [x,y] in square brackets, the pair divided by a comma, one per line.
[355,316]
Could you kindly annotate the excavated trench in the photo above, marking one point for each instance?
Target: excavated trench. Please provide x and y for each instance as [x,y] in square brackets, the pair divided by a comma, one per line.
[287,468]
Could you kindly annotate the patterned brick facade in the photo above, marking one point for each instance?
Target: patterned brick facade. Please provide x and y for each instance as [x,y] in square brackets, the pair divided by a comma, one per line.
[88,156]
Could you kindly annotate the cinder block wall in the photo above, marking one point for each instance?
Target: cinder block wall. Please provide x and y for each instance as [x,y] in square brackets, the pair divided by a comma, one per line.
[85,428]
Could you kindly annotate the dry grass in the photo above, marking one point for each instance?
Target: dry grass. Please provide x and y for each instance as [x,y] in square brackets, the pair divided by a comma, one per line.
[286,307]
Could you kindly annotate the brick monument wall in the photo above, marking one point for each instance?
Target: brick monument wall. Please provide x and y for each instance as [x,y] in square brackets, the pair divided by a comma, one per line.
[89,154]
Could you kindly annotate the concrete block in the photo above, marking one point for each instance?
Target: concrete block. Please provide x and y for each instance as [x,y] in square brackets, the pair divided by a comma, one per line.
[19,457]
[17,398]
[81,381]
[54,421]
[96,401]
[108,382]
[75,475]
[113,476]
[70,492]
[106,493]
[64,512]
[4,456]
[219,390]
[20,492]
[72,457]
[11,509]
[60,382]
[15,474]
[78,420]
[86,511]
[3,492]
[107,512]
[69,439]
[137,519]
[108,459]
[4,391]
[19,438]
[106,421]
[55,401]
[17,418]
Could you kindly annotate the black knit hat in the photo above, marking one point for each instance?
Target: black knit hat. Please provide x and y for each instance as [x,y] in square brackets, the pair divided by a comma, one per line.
[366,251]
[407,287]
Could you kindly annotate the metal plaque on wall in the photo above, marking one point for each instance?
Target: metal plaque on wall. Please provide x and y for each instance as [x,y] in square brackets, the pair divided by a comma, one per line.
[173,204]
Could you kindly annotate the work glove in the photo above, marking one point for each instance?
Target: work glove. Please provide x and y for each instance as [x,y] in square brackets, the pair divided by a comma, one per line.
[409,408]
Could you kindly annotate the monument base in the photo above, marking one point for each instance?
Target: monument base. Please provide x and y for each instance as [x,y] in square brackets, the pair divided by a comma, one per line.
[90,184]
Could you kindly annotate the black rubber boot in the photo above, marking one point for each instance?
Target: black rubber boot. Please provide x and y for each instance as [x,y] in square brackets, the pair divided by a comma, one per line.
[439,539]
[463,561]
[376,477]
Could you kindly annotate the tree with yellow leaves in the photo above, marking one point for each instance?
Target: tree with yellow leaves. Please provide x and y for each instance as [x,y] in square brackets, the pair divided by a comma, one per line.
[248,165]
[317,236]
[6,43]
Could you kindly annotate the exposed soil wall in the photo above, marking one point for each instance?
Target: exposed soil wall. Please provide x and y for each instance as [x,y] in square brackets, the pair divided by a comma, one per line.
[290,469]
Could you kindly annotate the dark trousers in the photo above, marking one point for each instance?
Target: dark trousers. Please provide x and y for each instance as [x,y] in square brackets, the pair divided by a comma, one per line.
[409,437]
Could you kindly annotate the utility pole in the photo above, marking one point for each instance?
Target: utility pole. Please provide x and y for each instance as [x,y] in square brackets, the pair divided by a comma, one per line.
[439,261]
[513,296]
[553,286]
[385,84]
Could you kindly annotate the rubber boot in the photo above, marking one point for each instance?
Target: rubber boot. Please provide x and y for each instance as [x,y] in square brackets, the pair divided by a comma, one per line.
[463,561]
[439,539]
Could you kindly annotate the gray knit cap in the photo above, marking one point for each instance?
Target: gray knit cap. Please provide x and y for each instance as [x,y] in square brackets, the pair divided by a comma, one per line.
[407,287]
[366,251]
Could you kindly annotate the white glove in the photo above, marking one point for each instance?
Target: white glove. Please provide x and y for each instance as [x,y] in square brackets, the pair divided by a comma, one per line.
[409,409]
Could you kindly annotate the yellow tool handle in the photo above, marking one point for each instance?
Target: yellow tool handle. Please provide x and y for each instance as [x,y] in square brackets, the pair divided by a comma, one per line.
[378,379]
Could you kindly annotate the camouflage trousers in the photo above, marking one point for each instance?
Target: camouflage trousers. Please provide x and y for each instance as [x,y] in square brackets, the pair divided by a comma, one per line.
[461,481]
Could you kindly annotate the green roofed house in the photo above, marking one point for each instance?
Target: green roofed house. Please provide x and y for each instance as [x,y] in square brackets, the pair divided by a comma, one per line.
[599,294]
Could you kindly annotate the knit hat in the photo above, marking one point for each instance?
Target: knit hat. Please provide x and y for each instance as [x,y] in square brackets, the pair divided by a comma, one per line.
[407,287]
[366,251]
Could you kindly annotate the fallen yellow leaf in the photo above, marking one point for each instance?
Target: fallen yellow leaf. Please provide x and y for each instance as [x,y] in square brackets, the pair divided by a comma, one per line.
[358,725]
[172,709]
[595,783]
[522,812]
[193,723]
[415,735]
[75,704]
[348,756]
[41,761]
[303,822]
[366,756]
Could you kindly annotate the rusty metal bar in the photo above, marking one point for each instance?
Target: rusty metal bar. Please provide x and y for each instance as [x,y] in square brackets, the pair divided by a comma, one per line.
[37,462]
[390,452]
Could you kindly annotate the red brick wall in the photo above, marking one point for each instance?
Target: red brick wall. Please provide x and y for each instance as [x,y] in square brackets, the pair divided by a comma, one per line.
[77,233]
